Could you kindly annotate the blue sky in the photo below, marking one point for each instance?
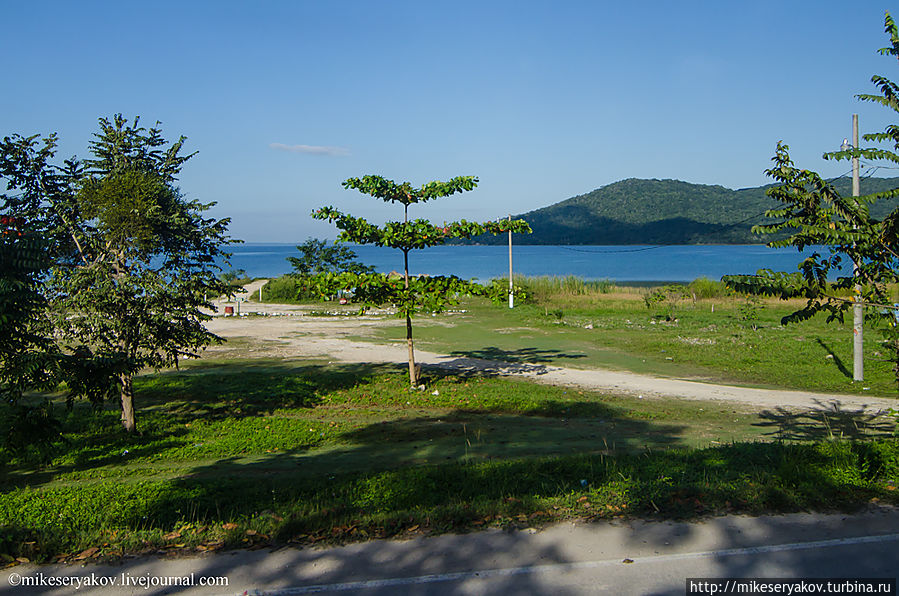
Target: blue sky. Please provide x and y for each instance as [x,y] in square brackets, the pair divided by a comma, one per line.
[540,100]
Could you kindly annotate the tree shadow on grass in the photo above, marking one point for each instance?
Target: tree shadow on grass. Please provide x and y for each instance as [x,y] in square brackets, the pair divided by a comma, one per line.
[826,421]
[836,359]
[169,402]
[422,461]
[456,467]
[381,503]
[455,471]
[496,361]
[753,477]
[247,389]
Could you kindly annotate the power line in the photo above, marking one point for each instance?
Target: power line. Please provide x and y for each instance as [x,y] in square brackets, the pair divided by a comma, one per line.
[843,175]
[610,251]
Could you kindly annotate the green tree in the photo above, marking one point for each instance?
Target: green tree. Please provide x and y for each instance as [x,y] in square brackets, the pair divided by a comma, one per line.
[317,257]
[408,294]
[27,359]
[133,259]
[814,213]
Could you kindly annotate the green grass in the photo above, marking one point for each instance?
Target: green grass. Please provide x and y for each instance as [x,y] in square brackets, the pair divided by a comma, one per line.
[268,451]
[618,331]
[543,288]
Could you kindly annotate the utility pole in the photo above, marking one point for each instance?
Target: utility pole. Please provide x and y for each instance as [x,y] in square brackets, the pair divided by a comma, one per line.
[858,313]
[511,288]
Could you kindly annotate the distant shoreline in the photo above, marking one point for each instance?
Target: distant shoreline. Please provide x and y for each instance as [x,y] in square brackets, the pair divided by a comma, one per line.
[621,264]
[514,243]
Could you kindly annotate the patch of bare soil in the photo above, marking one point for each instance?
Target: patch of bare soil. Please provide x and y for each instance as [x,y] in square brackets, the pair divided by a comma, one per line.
[288,331]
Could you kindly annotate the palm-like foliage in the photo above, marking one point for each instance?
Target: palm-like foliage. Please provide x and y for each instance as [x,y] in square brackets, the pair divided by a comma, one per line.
[814,214]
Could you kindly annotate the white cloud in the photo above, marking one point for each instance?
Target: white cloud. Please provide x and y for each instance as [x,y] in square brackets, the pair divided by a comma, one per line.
[311,149]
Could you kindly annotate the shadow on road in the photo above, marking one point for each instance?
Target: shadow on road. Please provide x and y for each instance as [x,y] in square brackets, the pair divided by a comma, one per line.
[493,361]
[830,420]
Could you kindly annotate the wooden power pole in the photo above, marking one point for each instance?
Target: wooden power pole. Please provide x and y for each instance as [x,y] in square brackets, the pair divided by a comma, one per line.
[511,287]
[858,313]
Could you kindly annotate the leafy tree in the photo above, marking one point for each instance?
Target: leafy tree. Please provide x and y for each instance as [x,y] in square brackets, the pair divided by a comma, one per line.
[133,259]
[317,257]
[27,358]
[236,279]
[408,294]
[814,213]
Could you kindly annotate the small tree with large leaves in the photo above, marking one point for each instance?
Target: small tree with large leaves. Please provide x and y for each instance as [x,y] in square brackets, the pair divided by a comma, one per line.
[815,214]
[409,294]
[133,260]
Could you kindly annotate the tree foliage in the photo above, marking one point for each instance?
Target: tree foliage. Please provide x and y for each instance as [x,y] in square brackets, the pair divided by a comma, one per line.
[27,352]
[408,294]
[814,213]
[316,256]
[132,258]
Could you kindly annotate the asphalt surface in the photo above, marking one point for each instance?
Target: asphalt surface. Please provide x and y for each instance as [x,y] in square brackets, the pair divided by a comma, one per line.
[622,557]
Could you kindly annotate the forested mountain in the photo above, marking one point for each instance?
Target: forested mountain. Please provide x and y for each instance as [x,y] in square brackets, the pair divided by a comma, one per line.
[636,211]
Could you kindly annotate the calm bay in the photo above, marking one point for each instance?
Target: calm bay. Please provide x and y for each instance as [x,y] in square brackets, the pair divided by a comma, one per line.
[617,263]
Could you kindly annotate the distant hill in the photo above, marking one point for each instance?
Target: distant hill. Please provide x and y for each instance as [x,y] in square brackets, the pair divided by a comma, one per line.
[636,211]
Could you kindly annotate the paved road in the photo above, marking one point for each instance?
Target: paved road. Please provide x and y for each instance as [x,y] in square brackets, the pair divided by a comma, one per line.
[633,557]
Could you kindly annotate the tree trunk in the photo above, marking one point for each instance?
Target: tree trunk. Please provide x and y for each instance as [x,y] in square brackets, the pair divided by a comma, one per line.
[413,381]
[413,378]
[896,359]
[128,403]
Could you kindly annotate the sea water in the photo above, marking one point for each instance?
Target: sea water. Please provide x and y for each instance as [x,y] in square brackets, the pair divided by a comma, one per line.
[616,263]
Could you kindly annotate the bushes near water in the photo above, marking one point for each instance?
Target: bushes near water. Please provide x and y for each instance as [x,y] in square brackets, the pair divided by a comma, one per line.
[704,287]
[288,289]
[281,290]
[543,288]
[546,288]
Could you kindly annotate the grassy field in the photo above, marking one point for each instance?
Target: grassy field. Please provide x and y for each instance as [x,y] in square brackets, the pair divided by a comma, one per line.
[242,453]
[703,333]
[722,339]
[237,453]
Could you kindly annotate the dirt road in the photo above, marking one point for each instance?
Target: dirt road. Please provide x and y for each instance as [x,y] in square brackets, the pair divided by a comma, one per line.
[289,331]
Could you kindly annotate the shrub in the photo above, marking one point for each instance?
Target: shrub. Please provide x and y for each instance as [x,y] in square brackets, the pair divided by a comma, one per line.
[30,431]
[498,290]
[749,311]
[281,290]
[704,287]
[667,297]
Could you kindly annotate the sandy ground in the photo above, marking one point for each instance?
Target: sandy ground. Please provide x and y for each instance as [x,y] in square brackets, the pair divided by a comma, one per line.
[290,331]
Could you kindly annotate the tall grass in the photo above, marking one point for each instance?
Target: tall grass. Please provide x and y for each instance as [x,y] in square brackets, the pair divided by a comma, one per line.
[545,287]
